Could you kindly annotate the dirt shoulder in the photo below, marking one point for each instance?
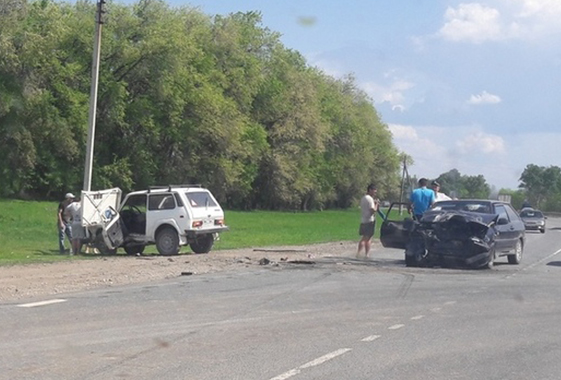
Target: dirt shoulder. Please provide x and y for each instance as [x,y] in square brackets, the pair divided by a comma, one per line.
[36,280]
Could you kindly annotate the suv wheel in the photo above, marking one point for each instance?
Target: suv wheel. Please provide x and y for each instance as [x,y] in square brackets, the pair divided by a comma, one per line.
[202,244]
[167,242]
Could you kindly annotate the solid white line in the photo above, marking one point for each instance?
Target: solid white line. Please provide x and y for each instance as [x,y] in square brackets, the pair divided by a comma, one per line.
[395,327]
[542,260]
[42,303]
[417,317]
[318,361]
[370,338]
[287,375]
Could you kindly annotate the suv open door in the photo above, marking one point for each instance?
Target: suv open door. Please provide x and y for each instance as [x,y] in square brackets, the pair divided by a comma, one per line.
[394,232]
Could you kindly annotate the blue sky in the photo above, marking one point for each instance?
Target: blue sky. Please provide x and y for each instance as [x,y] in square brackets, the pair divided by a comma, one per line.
[474,86]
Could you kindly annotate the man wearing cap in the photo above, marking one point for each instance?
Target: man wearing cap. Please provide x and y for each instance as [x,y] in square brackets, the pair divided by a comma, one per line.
[63,223]
[437,194]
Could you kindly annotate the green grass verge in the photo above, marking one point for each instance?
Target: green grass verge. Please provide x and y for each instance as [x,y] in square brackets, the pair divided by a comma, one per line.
[28,231]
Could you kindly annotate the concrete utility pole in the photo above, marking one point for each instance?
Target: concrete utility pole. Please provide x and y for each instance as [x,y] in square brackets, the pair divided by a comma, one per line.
[93,96]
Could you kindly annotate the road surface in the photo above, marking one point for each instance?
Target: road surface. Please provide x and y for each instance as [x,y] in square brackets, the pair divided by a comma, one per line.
[335,318]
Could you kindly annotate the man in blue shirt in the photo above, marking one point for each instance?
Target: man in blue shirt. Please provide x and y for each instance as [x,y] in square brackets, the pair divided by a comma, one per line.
[421,199]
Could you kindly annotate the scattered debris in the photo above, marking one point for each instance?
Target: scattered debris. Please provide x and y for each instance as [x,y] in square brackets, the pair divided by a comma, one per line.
[187,273]
[301,262]
[264,261]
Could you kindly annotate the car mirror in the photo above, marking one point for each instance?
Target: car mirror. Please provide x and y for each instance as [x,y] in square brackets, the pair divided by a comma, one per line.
[502,221]
[545,217]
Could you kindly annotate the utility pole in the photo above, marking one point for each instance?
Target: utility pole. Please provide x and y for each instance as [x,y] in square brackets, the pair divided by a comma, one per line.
[93,95]
[403,183]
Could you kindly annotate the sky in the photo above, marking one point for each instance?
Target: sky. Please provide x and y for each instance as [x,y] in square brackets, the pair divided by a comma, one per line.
[473,86]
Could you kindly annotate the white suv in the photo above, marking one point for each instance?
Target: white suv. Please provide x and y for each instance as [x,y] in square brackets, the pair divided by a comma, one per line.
[168,216]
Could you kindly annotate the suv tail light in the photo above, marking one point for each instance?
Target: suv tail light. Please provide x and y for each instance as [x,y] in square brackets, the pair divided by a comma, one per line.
[197,223]
[218,222]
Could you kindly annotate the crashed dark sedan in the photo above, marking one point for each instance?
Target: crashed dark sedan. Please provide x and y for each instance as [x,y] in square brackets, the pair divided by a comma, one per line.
[469,233]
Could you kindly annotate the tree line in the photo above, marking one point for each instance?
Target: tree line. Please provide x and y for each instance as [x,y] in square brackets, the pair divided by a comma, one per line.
[183,98]
[189,98]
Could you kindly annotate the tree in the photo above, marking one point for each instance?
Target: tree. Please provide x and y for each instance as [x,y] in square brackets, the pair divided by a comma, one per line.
[541,183]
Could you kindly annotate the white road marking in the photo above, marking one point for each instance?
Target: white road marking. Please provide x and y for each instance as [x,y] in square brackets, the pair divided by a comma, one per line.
[370,338]
[287,375]
[313,363]
[325,358]
[395,327]
[542,260]
[41,303]
[534,264]
[436,309]
[417,317]
[450,302]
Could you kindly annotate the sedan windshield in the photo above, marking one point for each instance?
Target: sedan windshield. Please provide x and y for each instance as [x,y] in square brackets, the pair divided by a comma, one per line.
[531,214]
[473,206]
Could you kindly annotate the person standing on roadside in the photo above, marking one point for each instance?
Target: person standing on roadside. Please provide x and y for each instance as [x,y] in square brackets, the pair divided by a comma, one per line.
[438,196]
[369,205]
[64,227]
[74,211]
[421,199]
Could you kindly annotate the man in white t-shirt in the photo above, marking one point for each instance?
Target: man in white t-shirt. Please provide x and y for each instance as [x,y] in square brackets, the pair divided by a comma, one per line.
[438,196]
[368,207]
[74,210]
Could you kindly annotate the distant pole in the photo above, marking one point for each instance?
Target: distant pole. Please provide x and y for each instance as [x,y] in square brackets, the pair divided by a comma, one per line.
[93,96]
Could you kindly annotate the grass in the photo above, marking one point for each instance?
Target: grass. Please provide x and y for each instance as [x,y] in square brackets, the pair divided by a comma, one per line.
[28,231]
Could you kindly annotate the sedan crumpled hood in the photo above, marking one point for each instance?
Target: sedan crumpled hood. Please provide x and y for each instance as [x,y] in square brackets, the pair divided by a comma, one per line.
[457,235]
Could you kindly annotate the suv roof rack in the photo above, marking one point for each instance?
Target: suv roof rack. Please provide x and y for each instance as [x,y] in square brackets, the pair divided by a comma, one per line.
[168,187]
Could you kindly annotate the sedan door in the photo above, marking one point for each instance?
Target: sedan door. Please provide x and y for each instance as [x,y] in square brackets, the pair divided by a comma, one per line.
[392,232]
[507,230]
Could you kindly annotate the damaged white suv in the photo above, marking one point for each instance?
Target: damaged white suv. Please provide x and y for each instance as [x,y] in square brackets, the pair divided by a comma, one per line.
[168,216]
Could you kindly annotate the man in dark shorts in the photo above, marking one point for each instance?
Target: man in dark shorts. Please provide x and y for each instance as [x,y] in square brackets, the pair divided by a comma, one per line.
[368,208]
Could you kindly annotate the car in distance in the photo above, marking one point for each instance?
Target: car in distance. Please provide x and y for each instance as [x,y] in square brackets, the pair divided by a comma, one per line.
[533,219]
[458,232]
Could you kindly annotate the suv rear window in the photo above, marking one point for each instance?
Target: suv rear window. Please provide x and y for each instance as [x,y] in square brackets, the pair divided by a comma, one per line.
[200,199]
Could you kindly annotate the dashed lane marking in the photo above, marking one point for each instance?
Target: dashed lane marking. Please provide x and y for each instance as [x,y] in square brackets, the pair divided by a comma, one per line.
[41,303]
[417,317]
[313,363]
[370,338]
[395,327]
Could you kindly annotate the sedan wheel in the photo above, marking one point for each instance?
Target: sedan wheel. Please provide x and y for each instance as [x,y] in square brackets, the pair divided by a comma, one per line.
[516,258]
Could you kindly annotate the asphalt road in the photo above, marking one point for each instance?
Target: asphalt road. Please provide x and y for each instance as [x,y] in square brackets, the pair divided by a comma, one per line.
[339,318]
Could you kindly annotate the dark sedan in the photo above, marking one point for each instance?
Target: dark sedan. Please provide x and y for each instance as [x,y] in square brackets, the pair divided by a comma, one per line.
[458,232]
[533,219]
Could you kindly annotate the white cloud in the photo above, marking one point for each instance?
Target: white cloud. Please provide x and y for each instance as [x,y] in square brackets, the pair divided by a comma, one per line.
[393,93]
[437,150]
[471,22]
[480,142]
[509,19]
[484,98]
